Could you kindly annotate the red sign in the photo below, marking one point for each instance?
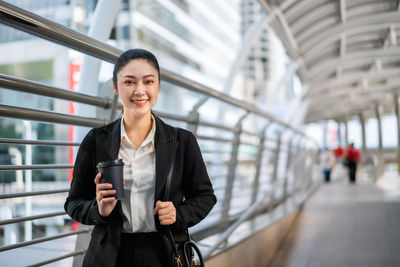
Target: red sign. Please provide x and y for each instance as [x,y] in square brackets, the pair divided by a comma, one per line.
[74,75]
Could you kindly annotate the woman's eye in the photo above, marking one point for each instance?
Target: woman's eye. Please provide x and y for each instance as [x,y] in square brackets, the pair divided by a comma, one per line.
[128,82]
[149,82]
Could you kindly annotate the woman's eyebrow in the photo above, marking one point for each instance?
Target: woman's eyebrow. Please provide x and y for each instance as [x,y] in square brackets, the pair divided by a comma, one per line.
[134,77]
[129,76]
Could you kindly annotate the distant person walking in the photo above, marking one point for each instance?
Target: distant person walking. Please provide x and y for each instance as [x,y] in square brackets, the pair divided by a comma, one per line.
[327,162]
[338,154]
[352,158]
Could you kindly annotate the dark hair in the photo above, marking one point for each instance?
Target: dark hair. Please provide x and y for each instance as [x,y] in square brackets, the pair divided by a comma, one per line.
[132,54]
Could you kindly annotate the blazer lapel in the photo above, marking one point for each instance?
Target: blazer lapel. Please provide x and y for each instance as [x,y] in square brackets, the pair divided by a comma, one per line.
[108,141]
[115,139]
[165,150]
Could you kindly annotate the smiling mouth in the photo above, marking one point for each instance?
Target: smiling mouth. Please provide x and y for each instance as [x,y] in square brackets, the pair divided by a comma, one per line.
[140,101]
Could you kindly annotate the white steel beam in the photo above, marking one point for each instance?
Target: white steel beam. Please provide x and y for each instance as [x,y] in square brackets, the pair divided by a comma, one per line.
[342,53]
[356,97]
[357,91]
[319,41]
[314,20]
[250,37]
[397,113]
[343,10]
[353,77]
[283,30]
[328,66]
[363,132]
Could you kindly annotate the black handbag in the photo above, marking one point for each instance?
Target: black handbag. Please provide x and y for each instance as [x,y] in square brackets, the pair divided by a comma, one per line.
[182,247]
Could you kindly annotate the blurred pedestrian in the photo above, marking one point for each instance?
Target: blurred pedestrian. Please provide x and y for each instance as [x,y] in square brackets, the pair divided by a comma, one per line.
[327,162]
[352,158]
[338,154]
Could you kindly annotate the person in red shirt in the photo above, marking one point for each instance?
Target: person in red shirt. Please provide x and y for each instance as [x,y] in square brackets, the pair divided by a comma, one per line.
[338,152]
[352,157]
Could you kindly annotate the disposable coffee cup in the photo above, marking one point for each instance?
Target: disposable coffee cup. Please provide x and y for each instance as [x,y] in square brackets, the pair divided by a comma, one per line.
[112,171]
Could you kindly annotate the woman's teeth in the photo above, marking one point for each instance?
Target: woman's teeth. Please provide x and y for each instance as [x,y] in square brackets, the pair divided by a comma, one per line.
[139,101]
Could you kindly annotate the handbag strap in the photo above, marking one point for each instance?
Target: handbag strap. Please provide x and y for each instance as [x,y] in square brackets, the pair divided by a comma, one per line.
[166,198]
[171,170]
[189,243]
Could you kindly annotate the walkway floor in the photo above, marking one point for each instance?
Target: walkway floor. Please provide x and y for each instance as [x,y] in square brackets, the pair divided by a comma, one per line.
[346,225]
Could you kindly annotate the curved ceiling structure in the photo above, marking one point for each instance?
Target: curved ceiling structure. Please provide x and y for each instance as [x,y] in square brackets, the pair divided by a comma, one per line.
[348,52]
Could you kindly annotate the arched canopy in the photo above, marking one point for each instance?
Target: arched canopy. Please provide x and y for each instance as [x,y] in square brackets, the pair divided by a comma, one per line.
[348,50]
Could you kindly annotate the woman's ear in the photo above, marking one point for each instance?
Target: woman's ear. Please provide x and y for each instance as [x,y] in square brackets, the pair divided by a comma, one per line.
[115,89]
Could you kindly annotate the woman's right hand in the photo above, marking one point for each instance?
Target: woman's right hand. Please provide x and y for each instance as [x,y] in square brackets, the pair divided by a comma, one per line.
[104,203]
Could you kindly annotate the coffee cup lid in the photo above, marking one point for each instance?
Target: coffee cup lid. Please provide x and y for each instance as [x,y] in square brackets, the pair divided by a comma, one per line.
[109,163]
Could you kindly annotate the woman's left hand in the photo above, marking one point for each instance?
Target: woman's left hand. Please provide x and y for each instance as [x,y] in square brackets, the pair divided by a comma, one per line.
[166,212]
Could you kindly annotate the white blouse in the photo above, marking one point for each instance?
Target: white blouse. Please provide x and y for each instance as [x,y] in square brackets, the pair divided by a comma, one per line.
[139,182]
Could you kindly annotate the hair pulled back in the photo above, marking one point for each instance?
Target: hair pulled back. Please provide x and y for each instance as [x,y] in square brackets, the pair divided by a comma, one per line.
[132,54]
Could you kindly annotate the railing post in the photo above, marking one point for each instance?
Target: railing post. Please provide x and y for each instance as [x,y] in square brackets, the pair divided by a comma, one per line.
[277,152]
[107,113]
[363,135]
[232,169]
[381,159]
[346,129]
[260,153]
[194,115]
[339,132]
[298,154]
[397,113]
[289,158]
[275,173]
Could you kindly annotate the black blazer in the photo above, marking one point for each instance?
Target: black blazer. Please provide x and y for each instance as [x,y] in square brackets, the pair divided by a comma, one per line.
[191,190]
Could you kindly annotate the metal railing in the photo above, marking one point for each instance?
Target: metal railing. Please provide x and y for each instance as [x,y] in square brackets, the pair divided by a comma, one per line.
[264,173]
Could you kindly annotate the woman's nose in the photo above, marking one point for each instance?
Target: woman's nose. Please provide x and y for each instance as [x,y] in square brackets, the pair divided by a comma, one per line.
[139,89]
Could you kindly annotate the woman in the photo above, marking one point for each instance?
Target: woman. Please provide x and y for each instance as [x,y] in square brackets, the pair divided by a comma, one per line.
[128,232]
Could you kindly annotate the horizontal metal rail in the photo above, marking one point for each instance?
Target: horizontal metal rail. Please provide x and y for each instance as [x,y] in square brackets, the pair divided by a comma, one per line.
[72,254]
[37,142]
[31,218]
[259,135]
[35,167]
[200,123]
[31,23]
[27,86]
[224,140]
[47,116]
[173,116]
[249,144]
[43,239]
[199,88]
[218,126]
[205,151]
[33,193]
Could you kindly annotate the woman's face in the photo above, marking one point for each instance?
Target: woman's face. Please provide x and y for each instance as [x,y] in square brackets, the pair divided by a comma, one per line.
[137,87]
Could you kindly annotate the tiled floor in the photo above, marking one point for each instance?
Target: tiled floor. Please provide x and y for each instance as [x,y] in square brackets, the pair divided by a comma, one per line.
[346,225]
